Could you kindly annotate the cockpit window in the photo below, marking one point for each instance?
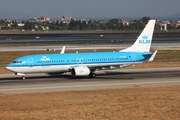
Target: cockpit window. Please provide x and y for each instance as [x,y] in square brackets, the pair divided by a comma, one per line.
[17,61]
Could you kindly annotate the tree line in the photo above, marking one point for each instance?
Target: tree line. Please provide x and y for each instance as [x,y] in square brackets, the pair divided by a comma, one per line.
[113,24]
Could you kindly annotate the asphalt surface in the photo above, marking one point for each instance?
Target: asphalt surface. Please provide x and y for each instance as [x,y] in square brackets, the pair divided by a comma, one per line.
[122,78]
[131,36]
[76,47]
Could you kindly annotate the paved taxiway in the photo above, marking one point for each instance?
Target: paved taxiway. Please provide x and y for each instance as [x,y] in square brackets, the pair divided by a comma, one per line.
[123,78]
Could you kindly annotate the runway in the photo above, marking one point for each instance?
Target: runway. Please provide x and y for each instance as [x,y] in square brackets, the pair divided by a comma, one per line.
[123,78]
[80,47]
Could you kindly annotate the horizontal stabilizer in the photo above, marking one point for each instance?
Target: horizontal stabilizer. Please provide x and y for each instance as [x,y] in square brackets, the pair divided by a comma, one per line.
[147,54]
[152,57]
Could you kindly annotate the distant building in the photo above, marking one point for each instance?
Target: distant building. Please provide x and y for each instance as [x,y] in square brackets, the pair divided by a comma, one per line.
[40,19]
[66,19]
[126,22]
[7,20]
[84,20]
[178,24]
[163,24]
[20,24]
[32,20]
[43,19]
[103,22]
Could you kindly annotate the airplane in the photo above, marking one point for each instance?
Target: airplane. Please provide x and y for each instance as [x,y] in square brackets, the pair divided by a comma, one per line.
[86,64]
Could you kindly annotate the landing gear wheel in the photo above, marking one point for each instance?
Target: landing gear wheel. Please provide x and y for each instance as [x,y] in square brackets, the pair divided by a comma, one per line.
[92,75]
[23,78]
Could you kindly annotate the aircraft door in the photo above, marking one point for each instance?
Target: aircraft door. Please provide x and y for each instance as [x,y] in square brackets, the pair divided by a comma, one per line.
[133,58]
[30,60]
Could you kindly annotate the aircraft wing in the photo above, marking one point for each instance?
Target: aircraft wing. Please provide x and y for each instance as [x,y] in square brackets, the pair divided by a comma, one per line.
[63,50]
[109,66]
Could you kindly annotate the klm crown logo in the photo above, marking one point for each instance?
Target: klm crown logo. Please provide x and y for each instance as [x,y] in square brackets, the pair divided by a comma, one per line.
[144,37]
[144,40]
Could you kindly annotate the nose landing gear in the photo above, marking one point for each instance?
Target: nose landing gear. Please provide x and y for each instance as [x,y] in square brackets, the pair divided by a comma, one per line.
[21,74]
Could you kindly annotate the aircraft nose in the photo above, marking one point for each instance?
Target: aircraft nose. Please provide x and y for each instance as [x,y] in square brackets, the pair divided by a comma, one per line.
[9,68]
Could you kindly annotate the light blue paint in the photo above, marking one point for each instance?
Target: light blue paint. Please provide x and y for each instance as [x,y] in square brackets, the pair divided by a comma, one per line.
[80,58]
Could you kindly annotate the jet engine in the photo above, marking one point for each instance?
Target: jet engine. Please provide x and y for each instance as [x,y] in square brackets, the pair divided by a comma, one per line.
[80,71]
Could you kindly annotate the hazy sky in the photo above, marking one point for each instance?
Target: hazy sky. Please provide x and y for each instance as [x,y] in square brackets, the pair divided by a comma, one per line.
[88,8]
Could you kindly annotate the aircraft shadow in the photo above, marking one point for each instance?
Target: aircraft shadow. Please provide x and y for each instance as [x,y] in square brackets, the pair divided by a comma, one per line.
[107,75]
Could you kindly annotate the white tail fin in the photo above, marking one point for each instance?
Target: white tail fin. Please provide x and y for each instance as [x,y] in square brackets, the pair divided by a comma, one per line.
[143,42]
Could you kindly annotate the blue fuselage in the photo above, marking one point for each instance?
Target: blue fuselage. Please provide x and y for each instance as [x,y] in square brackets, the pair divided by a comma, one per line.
[63,62]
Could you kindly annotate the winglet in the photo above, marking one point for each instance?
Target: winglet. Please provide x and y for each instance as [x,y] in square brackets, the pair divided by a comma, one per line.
[152,57]
[63,50]
[143,42]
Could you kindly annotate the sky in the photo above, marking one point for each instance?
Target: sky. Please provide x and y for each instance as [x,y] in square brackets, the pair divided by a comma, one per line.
[26,9]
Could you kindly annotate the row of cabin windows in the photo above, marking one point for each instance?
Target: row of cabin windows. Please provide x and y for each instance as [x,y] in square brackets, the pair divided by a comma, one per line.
[50,61]
[123,58]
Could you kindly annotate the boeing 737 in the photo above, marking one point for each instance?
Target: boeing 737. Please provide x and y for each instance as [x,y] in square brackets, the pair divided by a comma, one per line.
[86,64]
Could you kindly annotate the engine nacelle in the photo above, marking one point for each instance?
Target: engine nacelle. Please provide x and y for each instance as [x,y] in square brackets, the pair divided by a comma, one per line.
[80,71]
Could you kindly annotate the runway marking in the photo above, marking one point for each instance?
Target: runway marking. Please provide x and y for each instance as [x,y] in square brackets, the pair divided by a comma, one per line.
[96,85]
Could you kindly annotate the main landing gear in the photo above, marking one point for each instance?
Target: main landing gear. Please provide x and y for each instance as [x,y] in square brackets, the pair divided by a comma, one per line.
[23,78]
[92,75]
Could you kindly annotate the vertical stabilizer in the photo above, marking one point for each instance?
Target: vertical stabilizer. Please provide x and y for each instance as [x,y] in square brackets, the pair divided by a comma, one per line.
[143,42]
